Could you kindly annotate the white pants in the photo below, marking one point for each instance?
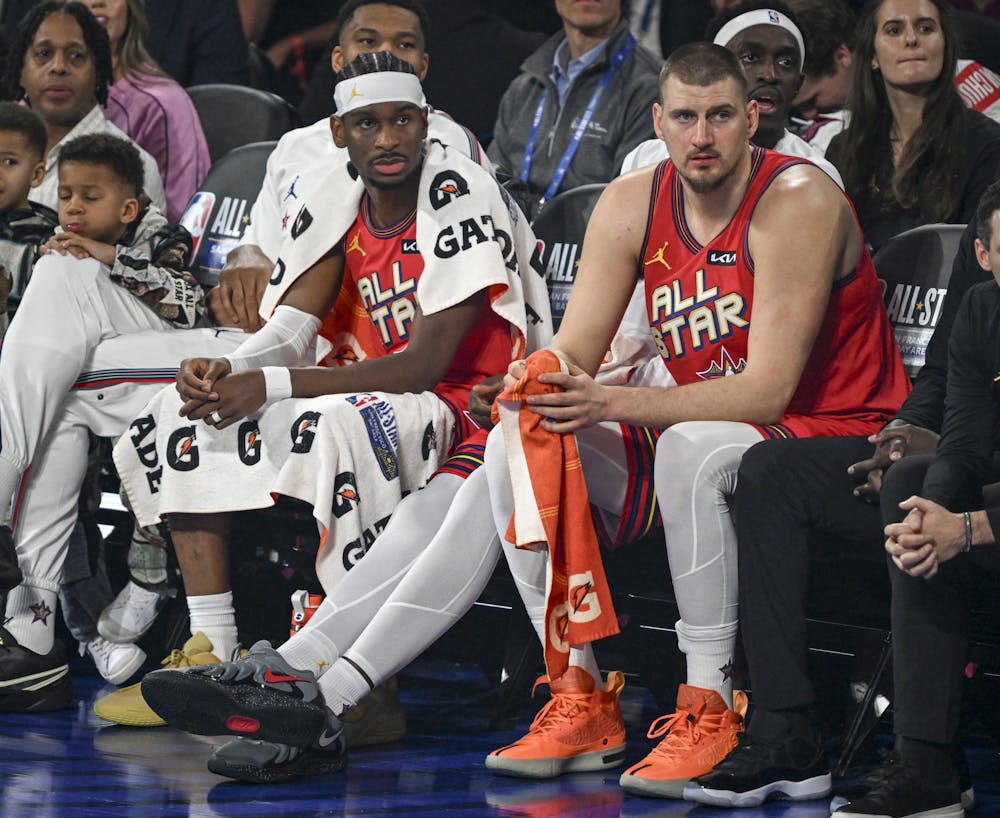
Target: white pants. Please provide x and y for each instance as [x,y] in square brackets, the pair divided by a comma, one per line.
[74,327]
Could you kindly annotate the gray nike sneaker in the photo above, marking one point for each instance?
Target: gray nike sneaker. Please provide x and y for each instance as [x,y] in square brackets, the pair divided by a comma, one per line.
[268,762]
[260,696]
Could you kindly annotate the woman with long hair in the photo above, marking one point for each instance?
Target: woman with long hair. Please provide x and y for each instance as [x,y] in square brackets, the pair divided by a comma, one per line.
[150,106]
[913,154]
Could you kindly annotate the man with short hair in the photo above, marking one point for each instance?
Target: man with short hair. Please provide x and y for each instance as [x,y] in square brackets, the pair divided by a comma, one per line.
[447,307]
[769,44]
[757,280]
[60,63]
[579,106]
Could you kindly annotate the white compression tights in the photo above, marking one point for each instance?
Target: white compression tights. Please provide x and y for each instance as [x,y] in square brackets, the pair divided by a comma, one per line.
[603,457]
[421,575]
[695,475]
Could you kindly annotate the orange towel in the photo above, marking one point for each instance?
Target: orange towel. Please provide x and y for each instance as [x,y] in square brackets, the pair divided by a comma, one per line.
[551,506]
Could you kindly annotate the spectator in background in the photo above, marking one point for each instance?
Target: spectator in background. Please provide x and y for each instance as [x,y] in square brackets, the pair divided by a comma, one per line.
[768,43]
[151,107]
[293,41]
[913,154]
[581,103]
[198,42]
[465,86]
[60,64]
[829,70]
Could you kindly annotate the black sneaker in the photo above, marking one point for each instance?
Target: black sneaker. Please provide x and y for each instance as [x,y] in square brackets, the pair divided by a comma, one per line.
[31,682]
[10,573]
[268,762]
[261,696]
[792,769]
[903,792]
[890,759]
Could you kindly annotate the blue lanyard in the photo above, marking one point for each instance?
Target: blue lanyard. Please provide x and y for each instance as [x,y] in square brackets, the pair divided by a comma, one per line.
[626,48]
[647,17]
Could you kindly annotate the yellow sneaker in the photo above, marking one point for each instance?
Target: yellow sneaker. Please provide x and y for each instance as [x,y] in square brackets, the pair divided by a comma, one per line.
[126,706]
[696,738]
[377,719]
[579,729]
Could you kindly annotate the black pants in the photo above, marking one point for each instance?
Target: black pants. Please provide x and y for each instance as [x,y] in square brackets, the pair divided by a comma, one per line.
[788,495]
[930,622]
[791,492]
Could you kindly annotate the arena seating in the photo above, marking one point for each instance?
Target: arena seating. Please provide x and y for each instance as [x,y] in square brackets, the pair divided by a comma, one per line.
[219,212]
[234,115]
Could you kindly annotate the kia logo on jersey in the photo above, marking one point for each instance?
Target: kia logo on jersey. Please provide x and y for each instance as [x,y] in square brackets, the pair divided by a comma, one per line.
[722,258]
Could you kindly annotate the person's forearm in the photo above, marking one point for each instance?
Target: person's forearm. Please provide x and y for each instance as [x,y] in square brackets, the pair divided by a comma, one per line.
[389,373]
[735,399]
[982,529]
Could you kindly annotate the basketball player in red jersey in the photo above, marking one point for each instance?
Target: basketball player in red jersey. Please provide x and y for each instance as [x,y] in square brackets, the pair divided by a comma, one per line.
[766,310]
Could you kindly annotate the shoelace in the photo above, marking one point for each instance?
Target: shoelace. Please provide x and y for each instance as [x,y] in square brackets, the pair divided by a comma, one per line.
[177,658]
[682,729]
[558,712]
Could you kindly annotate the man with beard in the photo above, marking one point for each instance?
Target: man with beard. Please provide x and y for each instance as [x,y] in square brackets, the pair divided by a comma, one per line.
[769,45]
[758,292]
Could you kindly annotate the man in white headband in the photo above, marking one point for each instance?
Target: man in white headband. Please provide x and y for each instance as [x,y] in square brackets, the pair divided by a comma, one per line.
[432,249]
[770,48]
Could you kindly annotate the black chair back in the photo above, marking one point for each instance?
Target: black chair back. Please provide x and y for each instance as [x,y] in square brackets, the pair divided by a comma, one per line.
[560,228]
[915,267]
[235,115]
[219,212]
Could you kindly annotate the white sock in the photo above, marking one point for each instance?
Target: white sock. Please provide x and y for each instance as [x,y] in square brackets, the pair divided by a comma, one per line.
[713,672]
[344,685]
[32,613]
[215,616]
[583,657]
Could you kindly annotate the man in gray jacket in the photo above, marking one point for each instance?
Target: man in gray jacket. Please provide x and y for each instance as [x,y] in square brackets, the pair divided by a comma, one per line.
[580,104]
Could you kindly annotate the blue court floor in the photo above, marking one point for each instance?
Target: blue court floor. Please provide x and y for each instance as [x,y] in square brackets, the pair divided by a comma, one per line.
[73,764]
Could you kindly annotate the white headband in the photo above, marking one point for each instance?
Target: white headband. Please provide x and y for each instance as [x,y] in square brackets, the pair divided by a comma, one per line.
[760,17]
[381,86]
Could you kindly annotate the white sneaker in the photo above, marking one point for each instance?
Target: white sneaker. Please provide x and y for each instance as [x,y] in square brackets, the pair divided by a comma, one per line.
[116,663]
[130,615]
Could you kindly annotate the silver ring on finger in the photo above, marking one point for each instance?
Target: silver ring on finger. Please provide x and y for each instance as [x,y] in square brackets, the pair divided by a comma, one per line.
[216,417]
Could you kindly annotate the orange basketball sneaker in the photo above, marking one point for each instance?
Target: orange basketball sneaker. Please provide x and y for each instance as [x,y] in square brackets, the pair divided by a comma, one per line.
[696,738]
[580,729]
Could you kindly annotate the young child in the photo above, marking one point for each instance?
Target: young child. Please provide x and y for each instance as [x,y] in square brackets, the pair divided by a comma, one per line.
[23,225]
[103,214]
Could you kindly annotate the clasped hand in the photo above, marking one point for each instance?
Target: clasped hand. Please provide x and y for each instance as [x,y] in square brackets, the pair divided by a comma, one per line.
[213,394]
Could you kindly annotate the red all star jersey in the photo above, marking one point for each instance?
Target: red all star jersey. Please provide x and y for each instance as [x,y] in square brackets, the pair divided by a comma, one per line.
[699,300]
[385,265]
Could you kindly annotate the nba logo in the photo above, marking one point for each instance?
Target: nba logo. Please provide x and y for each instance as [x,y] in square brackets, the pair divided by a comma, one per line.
[195,218]
[774,18]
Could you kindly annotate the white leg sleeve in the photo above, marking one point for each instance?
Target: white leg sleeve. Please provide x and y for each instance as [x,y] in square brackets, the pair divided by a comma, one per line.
[604,468]
[358,597]
[695,474]
[439,589]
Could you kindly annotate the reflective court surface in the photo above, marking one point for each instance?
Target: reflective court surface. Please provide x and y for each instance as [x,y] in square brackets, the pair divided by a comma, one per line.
[73,764]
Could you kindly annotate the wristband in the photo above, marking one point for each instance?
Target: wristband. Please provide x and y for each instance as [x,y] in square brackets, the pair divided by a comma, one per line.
[968,531]
[277,383]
